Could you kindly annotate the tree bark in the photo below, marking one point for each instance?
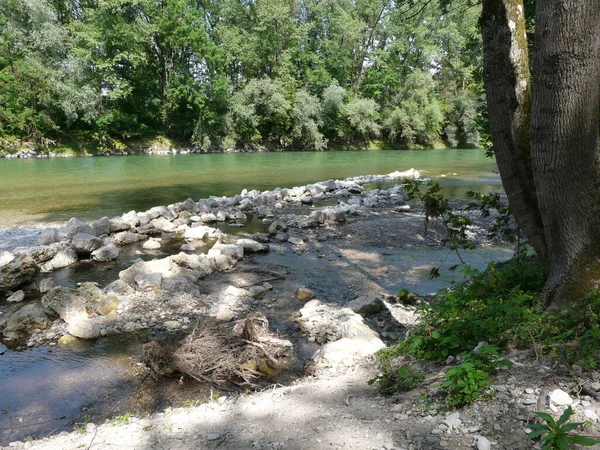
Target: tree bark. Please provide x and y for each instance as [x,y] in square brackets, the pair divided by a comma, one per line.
[507,85]
[564,142]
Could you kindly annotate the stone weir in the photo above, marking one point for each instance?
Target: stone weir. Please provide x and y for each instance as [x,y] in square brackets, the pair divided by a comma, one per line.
[148,291]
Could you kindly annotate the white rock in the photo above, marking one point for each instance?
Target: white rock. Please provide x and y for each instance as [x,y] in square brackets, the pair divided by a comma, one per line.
[483,443]
[18,296]
[560,398]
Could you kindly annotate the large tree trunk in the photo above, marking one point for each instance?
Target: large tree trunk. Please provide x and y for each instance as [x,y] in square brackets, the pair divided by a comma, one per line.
[564,142]
[506,75]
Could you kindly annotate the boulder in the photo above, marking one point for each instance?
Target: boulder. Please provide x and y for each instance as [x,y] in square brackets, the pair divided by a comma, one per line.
[48,236]
[84,329]
[144,218]
[224,262]
[131,218]
[75,226]
[276,227]
[63,258]
[148,281]
[86,243]
[151,230]
[151,244]
[107,252]
[127,238]
[189,205]
[119,224]
[197,233]
[98,300]
[164,211]
[163,224]
[160,266]
[22,323]
[252,246]
[222,216]
[101,226]
[39,253]
[66,302]
[231,250]
[16,270]
[197,263]
[17,297]
[46,285]
[366,306]
[208,218]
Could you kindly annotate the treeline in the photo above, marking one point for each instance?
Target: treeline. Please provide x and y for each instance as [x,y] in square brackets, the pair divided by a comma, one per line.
[297,74]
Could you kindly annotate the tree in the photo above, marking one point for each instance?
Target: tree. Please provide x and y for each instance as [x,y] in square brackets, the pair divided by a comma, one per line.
[546,138]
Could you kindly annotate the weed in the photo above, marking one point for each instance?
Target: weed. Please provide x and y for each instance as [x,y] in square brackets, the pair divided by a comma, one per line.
[555,434]
[392,380]
[122,420]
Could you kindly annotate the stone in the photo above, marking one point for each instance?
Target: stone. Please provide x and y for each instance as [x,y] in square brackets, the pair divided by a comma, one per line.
[22,323]
[276,227]
[148,281]
[66,302]
[48,236]
[83,329]
[171,325]
[126,238]
[188,247]
[560,398]
[119,287]
[232,250]
[304,294]
[16,270]
[252,246]
[107,252]
[131,218]
[197,233]
[160,266]
[189,205]
[101,226]
[75,226]
[46,285]
[164,211]
[224,262]
[224,314]
[236,292]
[63,258]
[17,297]
[366,305]
[151,244]
[256,291]
[162,224]
[86,243]
[199,264]
[222,216]
[40,253]
[118,224]
[208,218]
[295,240]
[483,443]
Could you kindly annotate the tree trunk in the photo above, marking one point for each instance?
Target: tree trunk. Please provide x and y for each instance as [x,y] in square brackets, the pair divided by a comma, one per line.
[507,85]
[564,142]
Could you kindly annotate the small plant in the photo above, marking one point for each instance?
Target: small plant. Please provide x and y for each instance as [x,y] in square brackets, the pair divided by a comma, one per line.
[469,381]
[555,434]
[125,419]
[392,380]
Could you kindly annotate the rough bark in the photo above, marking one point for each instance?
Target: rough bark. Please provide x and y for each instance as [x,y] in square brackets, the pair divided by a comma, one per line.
[507,83]
[564,142]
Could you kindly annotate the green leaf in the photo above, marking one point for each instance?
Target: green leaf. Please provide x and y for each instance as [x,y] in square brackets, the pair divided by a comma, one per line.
[587,442]
[546,418]
[565,416]
[571,426]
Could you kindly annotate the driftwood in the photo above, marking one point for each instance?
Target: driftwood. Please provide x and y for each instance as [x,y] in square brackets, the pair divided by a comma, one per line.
[220,355]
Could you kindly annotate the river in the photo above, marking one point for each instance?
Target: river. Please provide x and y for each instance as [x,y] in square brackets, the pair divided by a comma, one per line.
[56,189]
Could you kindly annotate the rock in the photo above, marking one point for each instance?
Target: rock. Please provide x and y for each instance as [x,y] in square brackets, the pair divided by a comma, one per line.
[118,224]
[189,205]
[18,296]
[304,294]
[119,287]
[208,218]
[164,211]
[151,244]
[224,314]
[200,264]
[16,270]
[101,226]
[144,218]
[256,291]
[232,250]
[131,218]
[197,233]
[281,237]
[152,230]
[236,292]
[483,443]
[86,243]
[188,247]
[366,305]
[83,329]
[252,246]
[224,262]
[148,281]
[39,253]
[107,252]
[295,240]
[560,398]
[222,216]
[126,238]
[48,236]
[46,285]
[22,323]
[75,226]
[276,227]
[66,302]
[160,223]
[160,266]
[63,258]
[98,300]
[171,325]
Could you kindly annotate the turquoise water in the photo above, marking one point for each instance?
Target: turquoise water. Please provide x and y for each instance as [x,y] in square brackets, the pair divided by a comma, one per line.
[48,190]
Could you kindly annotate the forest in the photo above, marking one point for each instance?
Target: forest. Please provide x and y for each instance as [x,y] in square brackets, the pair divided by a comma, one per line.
[241,74]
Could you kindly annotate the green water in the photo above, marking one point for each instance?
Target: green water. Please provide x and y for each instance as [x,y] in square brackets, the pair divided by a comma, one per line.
[48,190]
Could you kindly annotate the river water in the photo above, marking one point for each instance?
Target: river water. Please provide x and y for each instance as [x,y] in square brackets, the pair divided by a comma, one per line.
[47,389]
[56,189]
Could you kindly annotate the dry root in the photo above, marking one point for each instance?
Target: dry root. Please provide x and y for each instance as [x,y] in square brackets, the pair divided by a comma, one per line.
[216,354]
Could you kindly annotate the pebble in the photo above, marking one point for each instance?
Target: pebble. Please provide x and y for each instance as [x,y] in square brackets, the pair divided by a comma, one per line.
[483,443]
[213,436]
[560,398]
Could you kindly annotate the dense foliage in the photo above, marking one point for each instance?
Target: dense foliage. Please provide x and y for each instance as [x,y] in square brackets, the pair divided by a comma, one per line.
[235,73]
